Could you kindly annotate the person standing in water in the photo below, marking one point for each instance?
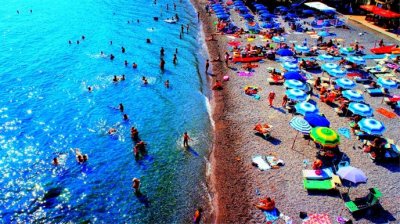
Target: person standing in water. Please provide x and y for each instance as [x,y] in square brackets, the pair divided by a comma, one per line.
[162,64]
[175,60]
[186,139]
[121,107]
[122,49]
[136,185]
[162,52]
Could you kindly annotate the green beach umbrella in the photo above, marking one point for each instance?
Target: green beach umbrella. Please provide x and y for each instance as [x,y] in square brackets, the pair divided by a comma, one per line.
[325,136]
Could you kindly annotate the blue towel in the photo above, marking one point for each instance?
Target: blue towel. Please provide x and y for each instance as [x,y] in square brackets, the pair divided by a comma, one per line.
[345,132]
[272,215]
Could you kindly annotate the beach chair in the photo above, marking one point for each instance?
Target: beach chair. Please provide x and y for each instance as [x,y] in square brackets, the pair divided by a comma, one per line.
[367,202]
[312,175]
[376,92]
[322,185]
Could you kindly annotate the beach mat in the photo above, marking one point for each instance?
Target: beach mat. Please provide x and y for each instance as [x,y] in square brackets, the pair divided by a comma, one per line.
[386,113]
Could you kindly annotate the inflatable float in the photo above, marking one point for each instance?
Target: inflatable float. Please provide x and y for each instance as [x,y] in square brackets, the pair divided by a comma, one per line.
[246,59]
[386,50]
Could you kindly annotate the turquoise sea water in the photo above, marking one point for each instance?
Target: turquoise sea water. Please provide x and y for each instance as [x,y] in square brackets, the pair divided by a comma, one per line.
[46,111]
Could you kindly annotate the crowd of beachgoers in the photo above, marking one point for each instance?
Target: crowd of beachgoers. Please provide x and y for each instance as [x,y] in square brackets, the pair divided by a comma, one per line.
[306,107]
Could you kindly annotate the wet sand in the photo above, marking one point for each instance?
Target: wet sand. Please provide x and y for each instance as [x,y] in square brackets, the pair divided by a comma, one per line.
[236,185]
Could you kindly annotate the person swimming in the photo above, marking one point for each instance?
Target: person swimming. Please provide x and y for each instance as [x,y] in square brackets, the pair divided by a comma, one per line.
[80,158]
[110,42]
[112,131]
[112,57]
[134,65]
[69,41]
[83,37]
[115,79]
[145,82]
[122,77]
[148,41]
[126,63]
[166,83]
[162,51]
[121,107]
[123,50]
[77,42]
[175,60]
[125,117]
[134,134]
[55,161]
[162,64]
[89,89]
[136,185]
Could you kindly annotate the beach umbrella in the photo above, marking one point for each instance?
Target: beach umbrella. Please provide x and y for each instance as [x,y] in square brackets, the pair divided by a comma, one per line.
[387,83]
[325,57]
[284,52]
[300,125]
[293,75]
[356,60]
[266,16]
[329,66]
[345,83]
[296,94]
[371,126]
[352,174]
[325,136]
[303,49]
[277,39]
[360,109]
[290,66]
[337,73]
[323,34]
[347,50]
[295,84]
[304,108]
[353,95]
[316,120]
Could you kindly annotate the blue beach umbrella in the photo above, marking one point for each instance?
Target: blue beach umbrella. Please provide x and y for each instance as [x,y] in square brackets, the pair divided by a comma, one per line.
[304,108]
[347,50]
[345,83]
[303,49]
[284,52]
[290,66]
[361,109]
[301,125]
[372,126]
[353,95]
[295,84]
[356,60]
[337,73]
[316,120]
[266,15]
[277,39]
[296,95]
[329,66]
[325,57]
[387,83]
[293,75]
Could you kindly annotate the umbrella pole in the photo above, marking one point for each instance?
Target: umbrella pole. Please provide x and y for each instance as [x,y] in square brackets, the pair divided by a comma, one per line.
[294,141]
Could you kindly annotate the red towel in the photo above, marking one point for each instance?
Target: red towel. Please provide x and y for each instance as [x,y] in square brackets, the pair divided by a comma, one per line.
[386,113]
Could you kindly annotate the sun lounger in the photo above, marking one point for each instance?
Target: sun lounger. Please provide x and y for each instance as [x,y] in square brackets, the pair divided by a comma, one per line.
[367,202]
[375,92]
[322,185]
[311,175]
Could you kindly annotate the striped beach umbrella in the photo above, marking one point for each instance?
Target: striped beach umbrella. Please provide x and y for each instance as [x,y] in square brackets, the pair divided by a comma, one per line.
[316,120]
[325,136]
[296,94]
[337,73]
[290,66]
[301,125]
[325,57]
[356,60]
[345,83]
[295,84]
[353,95]
[361,109]
[304,108]
[302,49]
[347,50]
[329,66]
[372,126]
[387,83]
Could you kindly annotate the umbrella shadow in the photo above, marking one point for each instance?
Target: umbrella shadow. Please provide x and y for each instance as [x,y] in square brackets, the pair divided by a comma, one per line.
[331,193]
[391,165]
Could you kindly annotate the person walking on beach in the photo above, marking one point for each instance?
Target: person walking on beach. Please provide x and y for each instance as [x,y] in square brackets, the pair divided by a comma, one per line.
[227,59]
[207,65]
[271,97]
[186,139]
[136,185]
[284,100]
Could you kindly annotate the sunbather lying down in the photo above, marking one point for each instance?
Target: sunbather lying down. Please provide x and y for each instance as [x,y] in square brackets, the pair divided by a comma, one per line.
[266,204]
[263,128]
[249,90]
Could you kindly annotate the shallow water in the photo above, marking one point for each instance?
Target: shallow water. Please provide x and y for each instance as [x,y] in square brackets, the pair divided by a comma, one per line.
[46,111]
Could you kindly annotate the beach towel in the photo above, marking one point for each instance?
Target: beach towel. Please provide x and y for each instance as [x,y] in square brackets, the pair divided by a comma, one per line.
[245,74]
[260,163]
[345,132]
[317,219]
[386,113]
[271,216]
